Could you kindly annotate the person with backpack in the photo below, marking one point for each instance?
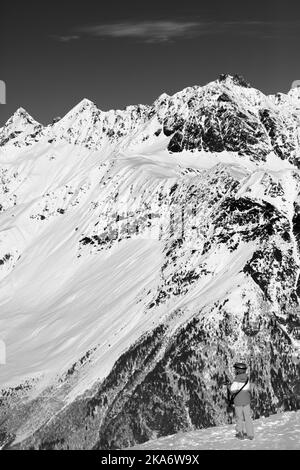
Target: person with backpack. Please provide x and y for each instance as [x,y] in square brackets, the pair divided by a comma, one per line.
[240,396]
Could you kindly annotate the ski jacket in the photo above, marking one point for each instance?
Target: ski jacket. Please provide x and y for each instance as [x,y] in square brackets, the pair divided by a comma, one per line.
[242,398]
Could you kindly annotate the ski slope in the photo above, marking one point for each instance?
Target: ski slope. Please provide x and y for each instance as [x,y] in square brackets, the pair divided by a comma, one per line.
[277,432]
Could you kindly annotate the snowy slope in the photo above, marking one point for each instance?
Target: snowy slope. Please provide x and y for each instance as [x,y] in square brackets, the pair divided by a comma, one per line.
[136,243]
[278,432]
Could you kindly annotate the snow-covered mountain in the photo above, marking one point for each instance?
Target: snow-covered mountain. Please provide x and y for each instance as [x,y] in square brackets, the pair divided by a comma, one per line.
[142,252]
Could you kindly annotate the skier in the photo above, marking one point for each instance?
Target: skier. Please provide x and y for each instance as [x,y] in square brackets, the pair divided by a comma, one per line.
[240,396]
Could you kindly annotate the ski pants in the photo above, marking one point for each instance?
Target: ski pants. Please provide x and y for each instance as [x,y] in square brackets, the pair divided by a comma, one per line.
[243,415]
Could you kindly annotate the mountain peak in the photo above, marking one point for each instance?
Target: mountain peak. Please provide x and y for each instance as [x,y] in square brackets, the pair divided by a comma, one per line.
[236,79]
[20,121]
[86,102]
[83,105]
[162,97]
[21,111]
[22,114]
[294,93]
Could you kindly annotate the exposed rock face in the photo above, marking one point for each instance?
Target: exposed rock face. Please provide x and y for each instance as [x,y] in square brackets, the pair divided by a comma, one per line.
[142,253]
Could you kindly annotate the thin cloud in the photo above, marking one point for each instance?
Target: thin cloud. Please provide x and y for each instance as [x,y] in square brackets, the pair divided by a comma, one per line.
[67,38]
[168,31]
[157,31]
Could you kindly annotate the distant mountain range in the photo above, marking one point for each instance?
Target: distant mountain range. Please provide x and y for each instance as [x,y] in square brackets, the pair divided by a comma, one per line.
[142,252]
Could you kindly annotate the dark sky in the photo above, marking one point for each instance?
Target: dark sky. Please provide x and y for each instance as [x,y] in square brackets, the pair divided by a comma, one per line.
[116,53]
